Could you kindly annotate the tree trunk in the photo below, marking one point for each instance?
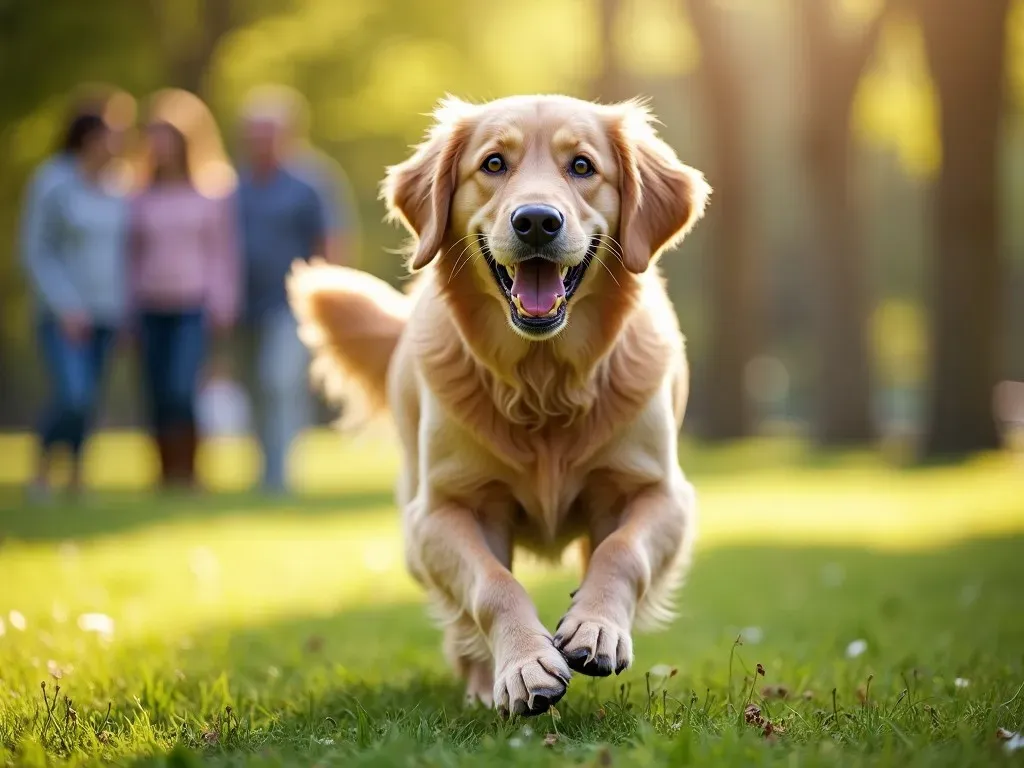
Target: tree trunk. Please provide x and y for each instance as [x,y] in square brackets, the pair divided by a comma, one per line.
[966,47]
[833,62]
[187,63]
[609,84]
[844,375]
[732,298]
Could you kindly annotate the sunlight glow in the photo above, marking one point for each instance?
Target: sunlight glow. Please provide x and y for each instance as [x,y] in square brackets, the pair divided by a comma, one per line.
[186,567]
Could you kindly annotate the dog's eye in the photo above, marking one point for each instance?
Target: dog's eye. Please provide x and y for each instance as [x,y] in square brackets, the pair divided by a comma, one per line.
[494,164]
[581,167]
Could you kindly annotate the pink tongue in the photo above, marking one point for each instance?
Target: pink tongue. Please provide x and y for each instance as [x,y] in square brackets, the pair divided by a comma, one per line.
[538,286]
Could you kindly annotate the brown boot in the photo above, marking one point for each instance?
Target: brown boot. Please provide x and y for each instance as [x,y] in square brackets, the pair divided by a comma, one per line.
[164,449]
[182,445]
[189,447]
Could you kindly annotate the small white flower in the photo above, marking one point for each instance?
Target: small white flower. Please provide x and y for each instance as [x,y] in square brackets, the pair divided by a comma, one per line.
[379,557]
[969,594]
[752,635]
[961,682]
[856,648]
[273,673]
[99,623]
[661,671]
[325,742]
[833,575]
[54,669]
[515,742]
[204,565]
[17,619]
[1011,741]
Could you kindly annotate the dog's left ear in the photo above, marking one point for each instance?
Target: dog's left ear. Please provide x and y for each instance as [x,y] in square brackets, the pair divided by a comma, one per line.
[419,191]
[660,198]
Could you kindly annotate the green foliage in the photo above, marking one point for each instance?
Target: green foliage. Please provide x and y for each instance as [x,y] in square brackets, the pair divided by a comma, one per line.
[900,339]
[896,108]
[371,69]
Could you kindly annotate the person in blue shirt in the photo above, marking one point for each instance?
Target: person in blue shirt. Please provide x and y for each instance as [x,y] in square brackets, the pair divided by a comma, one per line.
[72,245]
[291,110]
[281,219]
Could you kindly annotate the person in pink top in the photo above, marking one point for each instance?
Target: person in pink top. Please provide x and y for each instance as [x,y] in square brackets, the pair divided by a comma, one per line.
[185,279]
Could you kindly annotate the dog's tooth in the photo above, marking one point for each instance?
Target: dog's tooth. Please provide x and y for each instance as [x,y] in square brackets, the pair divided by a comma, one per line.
[562,272]
[518,305]
[558,303]
[511,269]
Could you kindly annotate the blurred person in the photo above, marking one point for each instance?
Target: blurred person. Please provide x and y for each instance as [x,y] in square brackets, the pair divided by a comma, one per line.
[72,246]
[117,110]
[313,166]
[184,267]
[282,220]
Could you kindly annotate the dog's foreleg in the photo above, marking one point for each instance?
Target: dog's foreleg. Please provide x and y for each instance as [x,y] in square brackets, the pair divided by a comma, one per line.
[454,555]
[632,570]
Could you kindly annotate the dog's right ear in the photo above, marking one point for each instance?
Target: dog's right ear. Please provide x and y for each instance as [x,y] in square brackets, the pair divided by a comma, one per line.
[419,191]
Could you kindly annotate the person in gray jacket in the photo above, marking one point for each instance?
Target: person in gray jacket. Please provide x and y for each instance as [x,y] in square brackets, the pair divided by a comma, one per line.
[73,248]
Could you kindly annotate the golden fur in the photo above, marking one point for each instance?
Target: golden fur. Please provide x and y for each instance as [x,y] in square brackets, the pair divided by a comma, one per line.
[512,439]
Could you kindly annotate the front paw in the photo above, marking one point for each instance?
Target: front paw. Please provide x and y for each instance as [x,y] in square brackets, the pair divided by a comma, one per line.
[532,680]
[593,644]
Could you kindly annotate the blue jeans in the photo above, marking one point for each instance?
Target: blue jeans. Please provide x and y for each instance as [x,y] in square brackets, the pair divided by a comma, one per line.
[76,370]
[285,404]
[173,350]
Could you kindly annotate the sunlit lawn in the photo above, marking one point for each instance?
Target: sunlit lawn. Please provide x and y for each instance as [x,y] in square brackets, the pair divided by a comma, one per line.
[298,616]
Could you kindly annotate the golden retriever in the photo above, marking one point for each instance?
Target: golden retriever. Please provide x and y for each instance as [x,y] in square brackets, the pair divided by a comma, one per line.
[537,376]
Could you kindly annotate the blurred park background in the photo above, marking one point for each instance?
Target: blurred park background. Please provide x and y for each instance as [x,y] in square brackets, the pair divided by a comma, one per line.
[860,276]
[858,285]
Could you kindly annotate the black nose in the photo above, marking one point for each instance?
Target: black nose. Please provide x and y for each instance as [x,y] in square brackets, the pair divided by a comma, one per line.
[537,225]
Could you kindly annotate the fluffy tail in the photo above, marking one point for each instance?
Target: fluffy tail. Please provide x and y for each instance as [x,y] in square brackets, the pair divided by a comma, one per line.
[351,321]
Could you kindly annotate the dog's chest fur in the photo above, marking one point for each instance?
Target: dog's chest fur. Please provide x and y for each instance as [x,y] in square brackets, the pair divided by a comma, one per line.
[539,442]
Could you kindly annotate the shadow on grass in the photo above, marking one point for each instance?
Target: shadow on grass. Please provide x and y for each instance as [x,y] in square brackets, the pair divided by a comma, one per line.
[111,512]
[108,513]
[369,682]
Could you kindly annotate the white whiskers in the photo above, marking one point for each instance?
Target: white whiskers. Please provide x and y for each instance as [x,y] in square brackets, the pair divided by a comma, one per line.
[458,259]
[610,244]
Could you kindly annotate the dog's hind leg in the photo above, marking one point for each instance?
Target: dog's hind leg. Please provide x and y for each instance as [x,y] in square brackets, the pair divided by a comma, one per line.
[467,652]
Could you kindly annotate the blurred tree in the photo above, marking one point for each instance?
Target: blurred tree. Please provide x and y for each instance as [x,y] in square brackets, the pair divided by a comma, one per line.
[610,80]
[966,47]
[834,56]
[189,33]
[732,336]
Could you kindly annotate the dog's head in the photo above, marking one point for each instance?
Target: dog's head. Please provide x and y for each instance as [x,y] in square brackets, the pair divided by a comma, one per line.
[533,190]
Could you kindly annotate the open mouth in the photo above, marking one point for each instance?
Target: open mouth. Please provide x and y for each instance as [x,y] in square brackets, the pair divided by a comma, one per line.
[538,289]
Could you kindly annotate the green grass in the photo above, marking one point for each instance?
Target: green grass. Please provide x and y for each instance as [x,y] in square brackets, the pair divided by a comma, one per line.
[259,632]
